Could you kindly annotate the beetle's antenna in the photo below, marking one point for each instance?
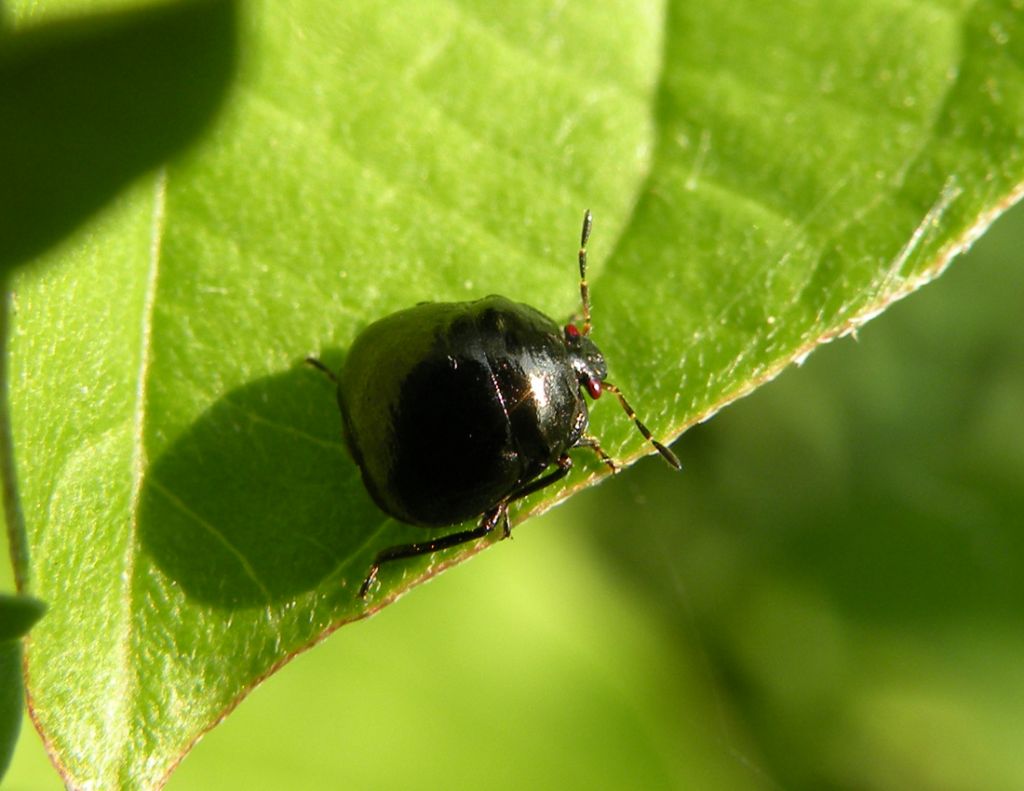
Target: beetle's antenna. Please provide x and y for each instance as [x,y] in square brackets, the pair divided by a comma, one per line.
[584,289]
[668,455]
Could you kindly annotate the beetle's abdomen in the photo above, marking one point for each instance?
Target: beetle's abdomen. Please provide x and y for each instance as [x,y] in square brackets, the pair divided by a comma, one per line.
[456,457]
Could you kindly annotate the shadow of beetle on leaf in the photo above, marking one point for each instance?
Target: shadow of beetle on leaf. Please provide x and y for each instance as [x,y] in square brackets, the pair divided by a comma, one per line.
[259,500]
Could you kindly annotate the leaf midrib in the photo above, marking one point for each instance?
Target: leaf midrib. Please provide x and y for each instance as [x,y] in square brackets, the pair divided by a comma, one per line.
[129,679]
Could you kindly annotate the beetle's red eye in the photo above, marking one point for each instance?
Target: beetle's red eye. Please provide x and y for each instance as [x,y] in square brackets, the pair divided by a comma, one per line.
[572,331]
[594,388]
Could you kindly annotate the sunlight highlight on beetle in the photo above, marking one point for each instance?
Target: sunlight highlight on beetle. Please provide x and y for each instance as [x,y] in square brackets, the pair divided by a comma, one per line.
[539,390]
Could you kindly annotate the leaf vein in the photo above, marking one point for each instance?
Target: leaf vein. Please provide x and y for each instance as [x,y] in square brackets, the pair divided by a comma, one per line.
[210,528]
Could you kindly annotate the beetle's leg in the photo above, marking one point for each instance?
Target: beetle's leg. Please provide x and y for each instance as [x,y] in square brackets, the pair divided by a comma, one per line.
[594,445]
[564,465]
[333,377]
[487,523]
[323,368]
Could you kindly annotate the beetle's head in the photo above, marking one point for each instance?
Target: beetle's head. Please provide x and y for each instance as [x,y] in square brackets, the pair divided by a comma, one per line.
[587,360]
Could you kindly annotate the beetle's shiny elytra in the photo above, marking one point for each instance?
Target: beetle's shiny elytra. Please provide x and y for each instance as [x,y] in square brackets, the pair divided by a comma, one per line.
[454,410]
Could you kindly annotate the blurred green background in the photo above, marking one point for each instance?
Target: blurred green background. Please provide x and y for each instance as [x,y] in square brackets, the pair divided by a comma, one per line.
[829,597]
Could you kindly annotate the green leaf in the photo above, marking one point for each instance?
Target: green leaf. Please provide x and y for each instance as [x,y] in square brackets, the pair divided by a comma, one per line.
[17,614]
[762,178]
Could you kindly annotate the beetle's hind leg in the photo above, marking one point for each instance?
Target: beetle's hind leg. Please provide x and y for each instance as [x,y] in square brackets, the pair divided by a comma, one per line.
[488,522]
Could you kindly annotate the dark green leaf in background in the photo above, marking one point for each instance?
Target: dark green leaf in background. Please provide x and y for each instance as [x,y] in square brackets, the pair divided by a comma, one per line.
[846,552]
[17,614]
[763,178]
[88,103]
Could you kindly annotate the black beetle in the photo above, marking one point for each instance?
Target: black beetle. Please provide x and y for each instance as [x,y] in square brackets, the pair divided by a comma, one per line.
[453,410]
